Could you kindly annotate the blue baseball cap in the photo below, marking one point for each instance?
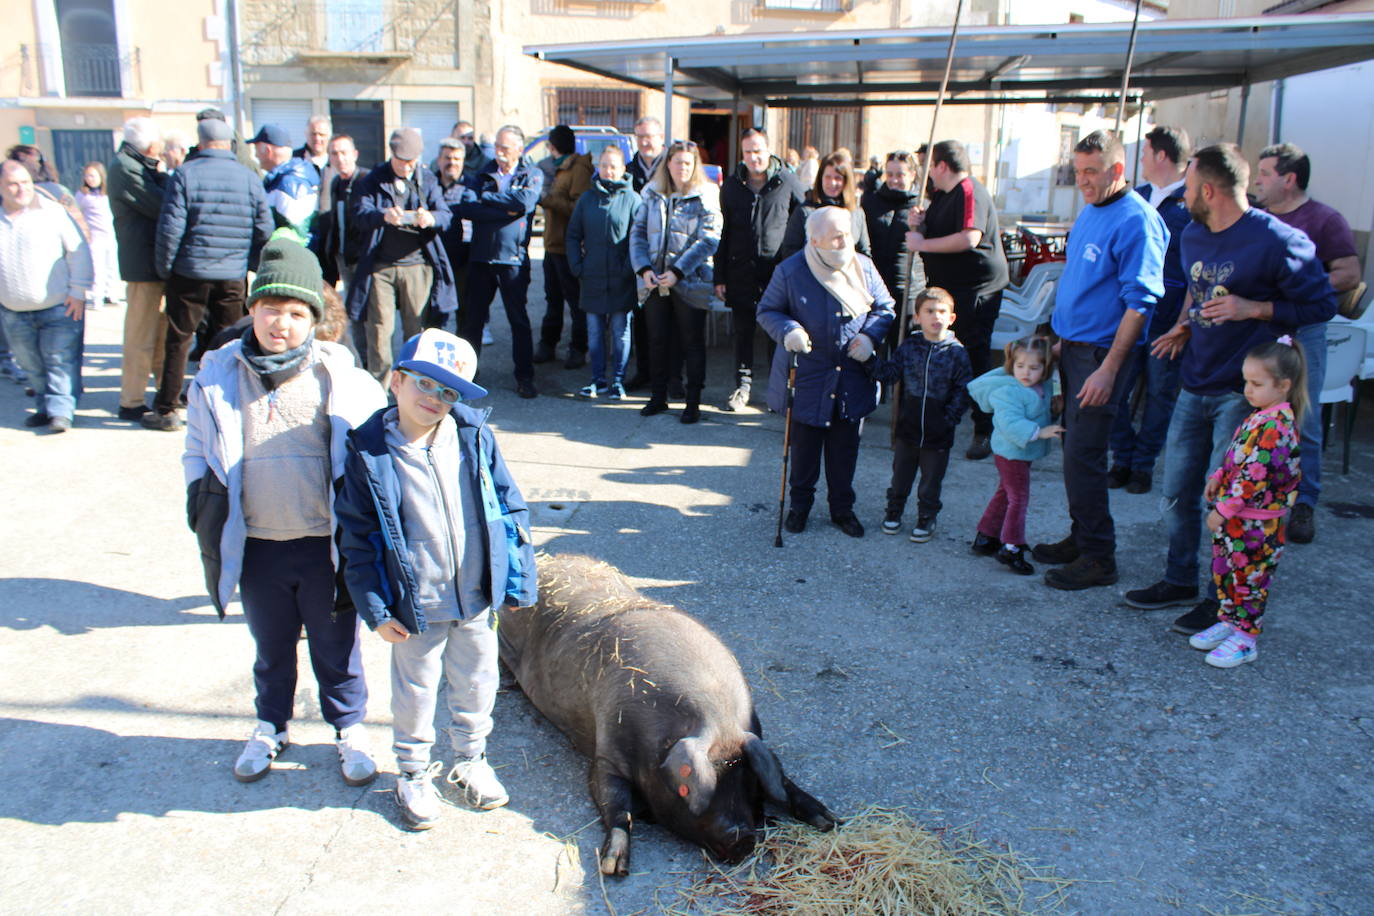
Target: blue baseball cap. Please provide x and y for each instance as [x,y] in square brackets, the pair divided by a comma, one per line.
[273,134]
[444,357]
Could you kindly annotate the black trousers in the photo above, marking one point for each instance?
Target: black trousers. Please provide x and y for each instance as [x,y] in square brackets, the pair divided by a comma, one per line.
[221,302]
[671,320]
[743,305]
[976,313]
[1087,432]
[287,585]
[513,282]
[836,444]
[561,286]
[907,459]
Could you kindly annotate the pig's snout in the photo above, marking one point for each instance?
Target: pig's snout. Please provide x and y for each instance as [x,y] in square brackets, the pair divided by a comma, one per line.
[736,845]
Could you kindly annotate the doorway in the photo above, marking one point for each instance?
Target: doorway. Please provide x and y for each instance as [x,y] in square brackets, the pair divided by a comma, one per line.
[72,149]
[361,120]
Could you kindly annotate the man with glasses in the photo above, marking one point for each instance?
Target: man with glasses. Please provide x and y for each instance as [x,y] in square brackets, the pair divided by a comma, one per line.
[506,193]
[403,267]
[641,168]
[476,157]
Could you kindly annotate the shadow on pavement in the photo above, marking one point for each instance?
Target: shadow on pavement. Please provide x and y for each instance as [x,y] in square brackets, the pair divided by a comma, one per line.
[73,608]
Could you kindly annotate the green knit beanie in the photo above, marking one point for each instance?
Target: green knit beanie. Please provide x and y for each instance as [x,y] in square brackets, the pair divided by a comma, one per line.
[289,270]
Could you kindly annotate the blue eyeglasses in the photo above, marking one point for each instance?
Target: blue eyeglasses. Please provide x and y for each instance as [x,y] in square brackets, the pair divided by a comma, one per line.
[429,386]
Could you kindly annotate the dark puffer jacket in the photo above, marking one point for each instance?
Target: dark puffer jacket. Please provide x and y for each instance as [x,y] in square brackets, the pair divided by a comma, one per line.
[795,238]
[752,230]
[935,376]
[136,189]
[599,246]
[214,220]
[826,376]
[886,210]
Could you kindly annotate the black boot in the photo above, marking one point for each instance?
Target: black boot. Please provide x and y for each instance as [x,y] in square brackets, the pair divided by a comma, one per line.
[983,545]
[1015,560]
[692,412]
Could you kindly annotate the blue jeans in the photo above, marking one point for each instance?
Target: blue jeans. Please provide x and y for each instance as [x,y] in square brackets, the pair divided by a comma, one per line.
[47,345]
[1138,449]
[1199,434]
[615,328]
[1313,340]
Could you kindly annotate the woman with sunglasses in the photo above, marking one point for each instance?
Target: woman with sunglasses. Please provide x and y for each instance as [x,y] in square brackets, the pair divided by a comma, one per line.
[675,235]
[834,187]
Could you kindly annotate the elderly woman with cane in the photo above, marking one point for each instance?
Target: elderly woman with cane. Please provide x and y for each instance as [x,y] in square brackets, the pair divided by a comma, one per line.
[826,305]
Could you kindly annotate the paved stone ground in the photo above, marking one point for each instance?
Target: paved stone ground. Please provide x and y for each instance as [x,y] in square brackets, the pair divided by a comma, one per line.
[1079,732]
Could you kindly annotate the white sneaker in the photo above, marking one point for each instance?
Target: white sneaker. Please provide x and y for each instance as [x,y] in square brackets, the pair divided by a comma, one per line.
[1236,650]
[1211,637]
[355,755]
[487,339]
[417,798]
[477,779]
[263,744]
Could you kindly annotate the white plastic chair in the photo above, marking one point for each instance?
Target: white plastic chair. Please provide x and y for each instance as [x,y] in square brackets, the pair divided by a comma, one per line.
[1345,357]
[1026,307]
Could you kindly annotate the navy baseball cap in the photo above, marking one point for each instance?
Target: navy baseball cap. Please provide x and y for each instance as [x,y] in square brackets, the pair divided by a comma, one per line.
[444,357]
[273,134]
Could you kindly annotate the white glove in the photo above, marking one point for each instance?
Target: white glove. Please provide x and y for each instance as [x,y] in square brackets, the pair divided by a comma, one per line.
[861,348]
[797,341]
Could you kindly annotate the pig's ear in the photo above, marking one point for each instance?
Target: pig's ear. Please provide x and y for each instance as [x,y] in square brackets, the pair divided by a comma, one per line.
[766,767]
[688,773]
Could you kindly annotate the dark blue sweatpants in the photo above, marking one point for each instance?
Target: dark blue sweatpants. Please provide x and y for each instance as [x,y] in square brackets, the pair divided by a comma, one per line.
[286,585]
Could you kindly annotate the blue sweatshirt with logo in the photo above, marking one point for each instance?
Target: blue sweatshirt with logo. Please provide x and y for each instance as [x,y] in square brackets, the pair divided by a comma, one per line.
[1258,257]
[1115,262]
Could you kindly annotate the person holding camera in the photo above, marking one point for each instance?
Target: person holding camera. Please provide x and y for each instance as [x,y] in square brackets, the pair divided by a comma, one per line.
[402,213]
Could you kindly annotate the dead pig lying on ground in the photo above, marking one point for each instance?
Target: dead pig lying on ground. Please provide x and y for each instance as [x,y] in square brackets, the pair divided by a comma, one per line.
[657,702]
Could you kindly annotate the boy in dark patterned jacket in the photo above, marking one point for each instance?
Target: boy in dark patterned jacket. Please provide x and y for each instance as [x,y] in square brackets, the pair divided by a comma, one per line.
[935,372]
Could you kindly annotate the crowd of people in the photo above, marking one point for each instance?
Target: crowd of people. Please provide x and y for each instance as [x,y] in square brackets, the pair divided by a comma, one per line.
[1179,301]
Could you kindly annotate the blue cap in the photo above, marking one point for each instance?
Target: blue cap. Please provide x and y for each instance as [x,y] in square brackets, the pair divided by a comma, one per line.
[444,357]
[273,134]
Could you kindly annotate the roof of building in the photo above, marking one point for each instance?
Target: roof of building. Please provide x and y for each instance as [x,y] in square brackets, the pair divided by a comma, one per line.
[996,63]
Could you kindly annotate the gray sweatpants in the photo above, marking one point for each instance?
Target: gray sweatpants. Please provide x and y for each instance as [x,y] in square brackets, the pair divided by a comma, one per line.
[464,651]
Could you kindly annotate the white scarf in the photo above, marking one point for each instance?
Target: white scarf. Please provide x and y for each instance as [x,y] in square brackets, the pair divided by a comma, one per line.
[837,269]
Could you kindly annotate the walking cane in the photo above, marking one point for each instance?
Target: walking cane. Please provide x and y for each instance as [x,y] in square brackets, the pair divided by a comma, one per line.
[910,293]
[786,443]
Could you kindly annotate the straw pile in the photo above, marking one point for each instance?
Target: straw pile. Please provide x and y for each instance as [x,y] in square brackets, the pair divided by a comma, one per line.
[880,862]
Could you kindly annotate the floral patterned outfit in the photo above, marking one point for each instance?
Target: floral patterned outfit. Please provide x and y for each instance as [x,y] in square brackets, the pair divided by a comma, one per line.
[1259,482]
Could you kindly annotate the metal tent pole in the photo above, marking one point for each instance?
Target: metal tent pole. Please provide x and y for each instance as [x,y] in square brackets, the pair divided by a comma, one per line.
[668,97]
[1126,73]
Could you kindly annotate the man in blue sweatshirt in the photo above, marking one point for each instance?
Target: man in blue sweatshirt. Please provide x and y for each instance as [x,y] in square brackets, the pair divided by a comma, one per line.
[1251,278]
[1112,280]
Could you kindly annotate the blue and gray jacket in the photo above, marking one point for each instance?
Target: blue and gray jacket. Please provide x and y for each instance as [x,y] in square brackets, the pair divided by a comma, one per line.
[497,566]
[935,376]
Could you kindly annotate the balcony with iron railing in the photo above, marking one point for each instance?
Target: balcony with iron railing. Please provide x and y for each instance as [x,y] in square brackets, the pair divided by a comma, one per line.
[378,32]
[86,69]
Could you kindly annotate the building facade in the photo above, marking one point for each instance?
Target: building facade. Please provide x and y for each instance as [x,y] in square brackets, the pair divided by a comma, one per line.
[75,70]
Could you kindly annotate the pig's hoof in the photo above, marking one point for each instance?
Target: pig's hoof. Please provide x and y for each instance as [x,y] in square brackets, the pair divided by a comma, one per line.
[615,856]
[810,811]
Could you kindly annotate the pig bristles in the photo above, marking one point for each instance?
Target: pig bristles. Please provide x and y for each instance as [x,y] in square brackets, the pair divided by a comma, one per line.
[555,581]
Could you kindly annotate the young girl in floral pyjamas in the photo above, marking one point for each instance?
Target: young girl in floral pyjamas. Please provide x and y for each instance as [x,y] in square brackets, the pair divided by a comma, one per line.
[1253,490]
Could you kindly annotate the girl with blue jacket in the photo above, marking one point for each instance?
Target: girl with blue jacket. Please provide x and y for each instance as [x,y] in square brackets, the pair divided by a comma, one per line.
[1018,397]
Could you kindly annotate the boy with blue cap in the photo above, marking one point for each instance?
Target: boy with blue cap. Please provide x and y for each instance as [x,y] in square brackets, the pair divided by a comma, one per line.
[436,537]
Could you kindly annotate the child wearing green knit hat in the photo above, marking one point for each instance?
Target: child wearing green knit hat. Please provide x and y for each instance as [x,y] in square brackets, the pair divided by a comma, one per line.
[266,422]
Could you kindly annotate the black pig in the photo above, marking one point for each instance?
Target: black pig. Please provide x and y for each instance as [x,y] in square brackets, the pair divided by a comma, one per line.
[658,704]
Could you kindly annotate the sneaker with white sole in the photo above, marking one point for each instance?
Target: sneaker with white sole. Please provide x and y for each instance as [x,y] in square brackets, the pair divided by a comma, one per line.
[487,339]
[264,744]
[924,530]
[1211,637]
[417,797]
[481,788]
[892,523]
[1236,650]
[355,755]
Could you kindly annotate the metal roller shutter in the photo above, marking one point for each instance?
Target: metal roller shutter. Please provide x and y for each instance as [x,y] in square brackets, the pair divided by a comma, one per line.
[434,120]
[291,114]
